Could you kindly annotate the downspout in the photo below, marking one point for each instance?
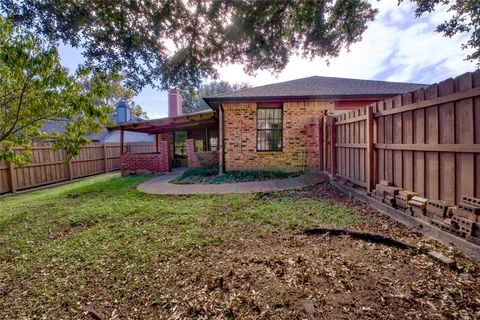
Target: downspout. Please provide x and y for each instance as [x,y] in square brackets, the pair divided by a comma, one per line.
[221,169]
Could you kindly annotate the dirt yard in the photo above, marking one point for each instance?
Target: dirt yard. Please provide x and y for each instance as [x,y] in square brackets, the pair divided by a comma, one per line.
[256,268]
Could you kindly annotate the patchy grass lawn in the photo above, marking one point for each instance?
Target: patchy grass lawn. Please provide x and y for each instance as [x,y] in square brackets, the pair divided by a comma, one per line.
[210,176]
[99,244]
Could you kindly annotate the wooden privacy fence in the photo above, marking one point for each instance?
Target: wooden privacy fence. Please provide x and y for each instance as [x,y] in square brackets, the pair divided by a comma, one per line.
[48,166]
[426,141]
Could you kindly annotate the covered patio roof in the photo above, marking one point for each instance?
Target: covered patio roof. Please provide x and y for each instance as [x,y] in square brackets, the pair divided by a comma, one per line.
[197,120]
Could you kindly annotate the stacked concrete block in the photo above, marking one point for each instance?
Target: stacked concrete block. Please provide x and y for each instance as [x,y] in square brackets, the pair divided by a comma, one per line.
[402,199]
[378,193]
[390,195]
[418,206]
[386,192]
[462,225]
[466,218]
[462,220]
[439,210]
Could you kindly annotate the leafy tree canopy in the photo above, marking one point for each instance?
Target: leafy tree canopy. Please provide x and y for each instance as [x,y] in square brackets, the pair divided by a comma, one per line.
[192,98]
[118,91]
[137,110]
[178,43]
[36,89]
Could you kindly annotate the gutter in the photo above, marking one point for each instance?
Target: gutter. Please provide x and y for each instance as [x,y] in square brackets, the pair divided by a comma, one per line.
[221,169]
[286,98]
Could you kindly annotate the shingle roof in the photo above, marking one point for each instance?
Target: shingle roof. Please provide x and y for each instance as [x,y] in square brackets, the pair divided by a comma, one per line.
[59,126]
[321,88]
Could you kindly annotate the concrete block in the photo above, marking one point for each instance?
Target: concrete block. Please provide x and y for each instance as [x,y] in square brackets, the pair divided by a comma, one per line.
[463,225]
[386,183]
[388,189]
[437,209]
[471,200]
[460,212]
[417,212]
[442,259]
[467,211]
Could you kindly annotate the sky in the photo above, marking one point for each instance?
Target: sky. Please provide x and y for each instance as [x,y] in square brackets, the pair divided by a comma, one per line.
[395,47]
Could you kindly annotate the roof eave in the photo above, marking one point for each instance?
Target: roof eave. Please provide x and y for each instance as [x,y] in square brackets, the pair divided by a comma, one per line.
[210,100]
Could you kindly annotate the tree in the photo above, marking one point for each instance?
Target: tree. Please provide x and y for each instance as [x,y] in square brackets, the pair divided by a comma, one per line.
[118,91]
[175,43]
[35,89]
[192,98]
[137,110]
[465,19]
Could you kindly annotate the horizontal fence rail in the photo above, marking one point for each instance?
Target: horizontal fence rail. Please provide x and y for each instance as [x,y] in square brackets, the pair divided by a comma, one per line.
[49,167]
[426,141]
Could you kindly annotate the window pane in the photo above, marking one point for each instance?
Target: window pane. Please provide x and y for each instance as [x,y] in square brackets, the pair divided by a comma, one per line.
[198,145]
[261,113]
[277,135]
[269,129]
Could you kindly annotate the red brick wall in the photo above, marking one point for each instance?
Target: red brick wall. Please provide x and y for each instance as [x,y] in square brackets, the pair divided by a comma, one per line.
[312,131]
[200,159]
[167,136]
[147,162]
[300,136]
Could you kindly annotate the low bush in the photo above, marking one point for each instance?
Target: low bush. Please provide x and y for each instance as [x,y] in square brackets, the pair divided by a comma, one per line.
[210,176]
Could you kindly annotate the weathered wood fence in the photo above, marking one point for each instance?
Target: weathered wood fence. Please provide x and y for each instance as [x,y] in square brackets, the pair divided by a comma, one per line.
[427,141]
[48,166]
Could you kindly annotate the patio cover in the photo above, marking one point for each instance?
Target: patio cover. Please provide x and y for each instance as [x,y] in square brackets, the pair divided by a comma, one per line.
[197,120]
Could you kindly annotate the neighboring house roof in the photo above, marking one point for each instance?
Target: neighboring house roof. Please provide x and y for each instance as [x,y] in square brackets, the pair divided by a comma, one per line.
[59,126]
[317,87]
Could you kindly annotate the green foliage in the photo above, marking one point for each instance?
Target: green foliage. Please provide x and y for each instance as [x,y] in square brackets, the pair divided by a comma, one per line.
[192,97]
[108,212]
[210,176]
[201,172]
[137,110]
[181,43]
[118,91]
[35,89]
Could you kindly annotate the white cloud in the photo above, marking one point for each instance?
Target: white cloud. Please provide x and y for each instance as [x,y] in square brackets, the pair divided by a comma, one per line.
[157,115]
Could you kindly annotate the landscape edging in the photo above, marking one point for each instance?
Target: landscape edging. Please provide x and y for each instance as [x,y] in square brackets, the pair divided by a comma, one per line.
[413,223]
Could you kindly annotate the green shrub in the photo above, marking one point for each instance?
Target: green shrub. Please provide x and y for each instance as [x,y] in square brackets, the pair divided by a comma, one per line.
[210,176]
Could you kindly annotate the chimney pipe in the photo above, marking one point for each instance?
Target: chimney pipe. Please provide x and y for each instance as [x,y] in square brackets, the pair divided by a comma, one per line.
[174,103]
[123,112]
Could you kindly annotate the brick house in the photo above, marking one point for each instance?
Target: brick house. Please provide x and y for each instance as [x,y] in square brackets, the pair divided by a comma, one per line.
[276,126]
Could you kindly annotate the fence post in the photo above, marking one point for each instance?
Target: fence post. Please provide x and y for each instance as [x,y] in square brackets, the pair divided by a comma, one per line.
[12,181]
[370,150]
[320,143]
[325,143]
[121,152]
[105,162]
[333,160]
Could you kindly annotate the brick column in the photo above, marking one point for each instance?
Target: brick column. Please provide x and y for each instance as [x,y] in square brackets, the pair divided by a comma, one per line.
[192,157]
[164,155]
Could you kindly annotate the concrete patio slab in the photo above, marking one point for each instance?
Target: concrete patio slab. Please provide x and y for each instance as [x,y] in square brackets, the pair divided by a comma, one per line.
[161,185]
